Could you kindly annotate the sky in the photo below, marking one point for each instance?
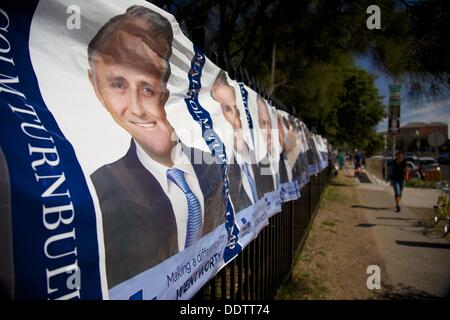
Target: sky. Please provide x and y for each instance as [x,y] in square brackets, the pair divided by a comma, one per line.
[410,112]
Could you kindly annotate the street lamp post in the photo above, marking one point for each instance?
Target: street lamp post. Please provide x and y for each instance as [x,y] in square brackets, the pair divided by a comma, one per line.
[417,133]
[385,158]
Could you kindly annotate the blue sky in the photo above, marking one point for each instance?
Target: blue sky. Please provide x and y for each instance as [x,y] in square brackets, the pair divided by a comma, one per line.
[410,112]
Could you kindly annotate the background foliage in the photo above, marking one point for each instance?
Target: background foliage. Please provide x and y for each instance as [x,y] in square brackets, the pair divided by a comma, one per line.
[302,52]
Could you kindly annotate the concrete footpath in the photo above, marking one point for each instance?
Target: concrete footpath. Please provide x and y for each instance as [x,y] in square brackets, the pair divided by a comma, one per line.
[417,262]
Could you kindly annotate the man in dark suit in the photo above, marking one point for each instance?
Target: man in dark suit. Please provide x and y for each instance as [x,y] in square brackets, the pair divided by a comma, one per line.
[302,160]
[288,141]
[267,173]
[244,180]
[155,202]
[313,160]
[138,220]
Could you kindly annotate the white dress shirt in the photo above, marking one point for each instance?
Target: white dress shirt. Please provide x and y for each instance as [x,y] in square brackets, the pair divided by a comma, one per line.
[274,172]
[176,196]
[288,169]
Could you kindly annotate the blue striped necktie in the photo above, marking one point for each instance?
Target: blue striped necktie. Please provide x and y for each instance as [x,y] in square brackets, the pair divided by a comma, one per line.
[250,181]
[194,224]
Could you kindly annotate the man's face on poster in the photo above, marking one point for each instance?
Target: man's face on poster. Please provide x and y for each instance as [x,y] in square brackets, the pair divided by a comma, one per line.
[127,77]
[265,123]
[226,96]
[287,136]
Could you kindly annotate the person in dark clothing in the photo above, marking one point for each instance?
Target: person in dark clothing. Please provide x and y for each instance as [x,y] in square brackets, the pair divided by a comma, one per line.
[398,177]
[357,162]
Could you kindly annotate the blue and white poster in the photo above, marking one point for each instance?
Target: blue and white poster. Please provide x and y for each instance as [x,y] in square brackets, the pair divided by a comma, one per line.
[132,167]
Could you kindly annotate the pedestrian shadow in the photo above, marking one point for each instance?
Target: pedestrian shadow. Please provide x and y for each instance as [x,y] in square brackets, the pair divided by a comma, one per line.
[400,227]
[366,225]
[370,225]
[420,244]
[334,184]
[373,208]
[405,292]
[363,178]
[398,219]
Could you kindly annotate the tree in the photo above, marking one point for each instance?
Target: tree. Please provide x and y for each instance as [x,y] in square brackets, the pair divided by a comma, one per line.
[302,51]
[355,107]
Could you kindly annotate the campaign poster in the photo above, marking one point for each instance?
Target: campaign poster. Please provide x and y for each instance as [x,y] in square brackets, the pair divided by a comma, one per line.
[260,121]
[112,160]
[289,151]
[302,160]
[132,166]
[313,161]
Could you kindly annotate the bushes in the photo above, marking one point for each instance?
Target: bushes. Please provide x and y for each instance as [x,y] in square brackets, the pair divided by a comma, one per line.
[419,183]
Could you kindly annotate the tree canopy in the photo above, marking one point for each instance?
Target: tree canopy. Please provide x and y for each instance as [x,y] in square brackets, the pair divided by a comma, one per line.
[302,52]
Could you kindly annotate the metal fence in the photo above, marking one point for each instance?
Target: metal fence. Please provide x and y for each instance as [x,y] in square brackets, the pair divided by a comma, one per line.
[267,262]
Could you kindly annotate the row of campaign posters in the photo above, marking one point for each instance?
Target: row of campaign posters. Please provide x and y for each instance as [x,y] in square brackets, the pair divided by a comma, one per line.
[132,167]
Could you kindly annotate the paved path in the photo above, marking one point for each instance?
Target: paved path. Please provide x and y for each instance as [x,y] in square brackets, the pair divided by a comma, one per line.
[418,265]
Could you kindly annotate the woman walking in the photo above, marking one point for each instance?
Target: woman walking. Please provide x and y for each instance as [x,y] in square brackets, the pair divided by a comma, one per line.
[398,177]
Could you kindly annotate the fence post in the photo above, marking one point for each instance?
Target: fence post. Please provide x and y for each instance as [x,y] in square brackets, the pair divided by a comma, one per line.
[292,251]
[240,278]
[213,289]
[268,261]
[271,257]
[252,252]
[232,279]
[223,284]
[311,179]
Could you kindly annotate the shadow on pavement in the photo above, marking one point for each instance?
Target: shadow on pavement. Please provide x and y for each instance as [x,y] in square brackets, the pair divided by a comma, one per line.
[405,292]
[424,244]
[334,184]
[401,219]
[373,208]
[400,227]
[366,225]
[363,178]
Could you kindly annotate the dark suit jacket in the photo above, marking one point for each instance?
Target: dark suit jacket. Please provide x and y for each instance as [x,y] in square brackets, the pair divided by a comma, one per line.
[282,170]
[238,195]
[264,182]
[138,221]
[312,153]
[295,170]
[6,238]
[301,167]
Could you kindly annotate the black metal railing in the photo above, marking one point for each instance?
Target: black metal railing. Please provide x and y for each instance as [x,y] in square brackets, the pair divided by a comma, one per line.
[267,262]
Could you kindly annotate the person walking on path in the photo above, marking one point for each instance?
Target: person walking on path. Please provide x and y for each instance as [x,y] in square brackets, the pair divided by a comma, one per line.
[357,162]
[397,177]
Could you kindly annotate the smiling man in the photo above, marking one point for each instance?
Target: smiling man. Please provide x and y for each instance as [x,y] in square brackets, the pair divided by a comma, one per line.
[268,182]
[288,141]
[244,172]
[154,201]
[129,72]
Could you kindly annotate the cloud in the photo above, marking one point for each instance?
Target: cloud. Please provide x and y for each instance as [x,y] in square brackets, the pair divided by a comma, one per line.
[431,111]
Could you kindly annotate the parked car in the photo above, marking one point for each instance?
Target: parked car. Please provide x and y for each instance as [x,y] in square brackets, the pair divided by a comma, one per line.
[378,157]
[411,165]
[428,164]
[413,171]
[443,158]
[411,157]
